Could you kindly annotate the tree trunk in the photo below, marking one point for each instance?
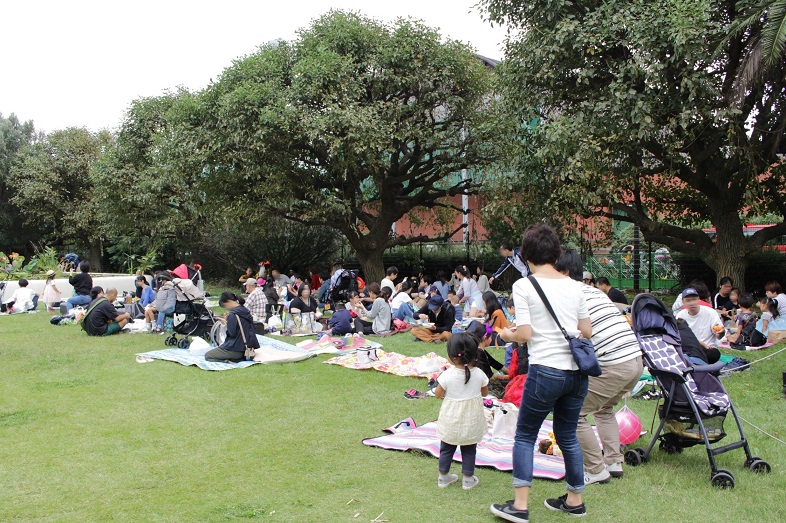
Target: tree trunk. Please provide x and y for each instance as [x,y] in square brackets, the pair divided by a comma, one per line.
[94,255]
[729,264]
[372,265]
[729,255]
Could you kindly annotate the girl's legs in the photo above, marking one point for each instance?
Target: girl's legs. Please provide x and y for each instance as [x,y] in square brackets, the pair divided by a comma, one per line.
[162,318]
[446,451]
[468,453]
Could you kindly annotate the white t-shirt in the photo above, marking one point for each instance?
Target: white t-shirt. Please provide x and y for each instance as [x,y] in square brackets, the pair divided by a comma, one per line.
[781,299]
[452,380]
[471,291]
[701,324]
[548,346]
[387,282]
[399,299]
[612,336]
[22,298]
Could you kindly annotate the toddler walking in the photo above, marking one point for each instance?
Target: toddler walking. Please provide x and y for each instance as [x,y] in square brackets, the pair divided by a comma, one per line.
[461,422]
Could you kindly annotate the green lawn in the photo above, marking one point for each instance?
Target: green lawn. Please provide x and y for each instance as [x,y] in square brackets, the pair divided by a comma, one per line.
[88,434]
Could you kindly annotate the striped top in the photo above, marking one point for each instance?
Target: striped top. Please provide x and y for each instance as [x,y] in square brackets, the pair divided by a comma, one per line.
[612,336]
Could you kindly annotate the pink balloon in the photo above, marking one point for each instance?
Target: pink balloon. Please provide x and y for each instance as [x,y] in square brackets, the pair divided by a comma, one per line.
[630,425]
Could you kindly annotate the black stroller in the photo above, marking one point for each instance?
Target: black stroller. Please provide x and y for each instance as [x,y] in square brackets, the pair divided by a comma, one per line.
[695,401]
[191,318]
[346,282]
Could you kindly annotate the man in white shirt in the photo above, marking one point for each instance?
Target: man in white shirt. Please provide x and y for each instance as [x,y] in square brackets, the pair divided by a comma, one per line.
[23,299]
[703,321]
[388,281]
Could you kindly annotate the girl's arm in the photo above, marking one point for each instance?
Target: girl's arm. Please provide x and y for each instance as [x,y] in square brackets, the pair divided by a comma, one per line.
[439,392]
[484,390]
[375,308]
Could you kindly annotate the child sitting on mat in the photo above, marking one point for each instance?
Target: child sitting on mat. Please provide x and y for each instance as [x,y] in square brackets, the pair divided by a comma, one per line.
[461,422]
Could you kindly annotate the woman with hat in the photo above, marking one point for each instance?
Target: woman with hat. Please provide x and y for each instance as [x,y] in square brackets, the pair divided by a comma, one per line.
[51,294]
[240,331]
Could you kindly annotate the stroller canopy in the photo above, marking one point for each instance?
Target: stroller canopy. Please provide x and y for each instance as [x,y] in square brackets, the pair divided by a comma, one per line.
[650,316]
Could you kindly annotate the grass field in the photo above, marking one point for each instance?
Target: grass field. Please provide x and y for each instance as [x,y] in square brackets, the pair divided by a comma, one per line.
[87,434]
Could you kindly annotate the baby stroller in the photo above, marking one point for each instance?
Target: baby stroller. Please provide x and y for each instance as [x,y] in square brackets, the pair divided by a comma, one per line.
[191,317]
[695,401]
[186,272]
[340,285]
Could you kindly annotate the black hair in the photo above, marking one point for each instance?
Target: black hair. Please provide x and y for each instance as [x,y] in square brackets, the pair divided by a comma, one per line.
[772,306]
[23,282]
[442,276]
[230,296]
[737,290]
[141,277]
[84,266]
[540,245]
[462,270]
[510,302]
[384,293]
[701,288]
[763,299]
[507,246]
[463,348]
[391,270]
[774,287]
[725,280]
[300,289]
[745,300]
[52,277]
[406,285]
[491,302]
[352,294]
[570,262]
[428,279]
[373,288]
[451,291]
[95,291]
[603,281]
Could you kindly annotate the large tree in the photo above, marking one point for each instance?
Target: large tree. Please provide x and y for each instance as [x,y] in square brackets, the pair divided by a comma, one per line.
[13,136]
[637,118]
[353,125]
[55,190]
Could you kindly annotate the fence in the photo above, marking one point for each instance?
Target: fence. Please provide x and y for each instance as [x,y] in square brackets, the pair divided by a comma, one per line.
[656,270]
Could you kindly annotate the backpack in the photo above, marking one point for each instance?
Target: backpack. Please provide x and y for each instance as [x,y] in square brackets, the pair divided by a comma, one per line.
[746,333]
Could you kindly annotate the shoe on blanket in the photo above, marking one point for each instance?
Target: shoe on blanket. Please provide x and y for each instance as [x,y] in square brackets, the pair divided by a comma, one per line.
[414,394]
[446,480]
[507,512]
[401,426]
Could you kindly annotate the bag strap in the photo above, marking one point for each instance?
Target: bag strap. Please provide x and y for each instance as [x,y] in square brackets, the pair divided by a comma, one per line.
[242,332]
[542,295]
[82,321]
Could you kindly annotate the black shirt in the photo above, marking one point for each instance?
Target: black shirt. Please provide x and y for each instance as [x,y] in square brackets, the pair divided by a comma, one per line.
[617,296]
[690,343]
[99,317]
[302,306]
[720,302]
[82,283]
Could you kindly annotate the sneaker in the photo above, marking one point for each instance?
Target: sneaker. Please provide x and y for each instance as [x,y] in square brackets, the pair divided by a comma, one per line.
[469,482]
[447,479]
[615,469]
[508,513]
[601,477]
[560,504]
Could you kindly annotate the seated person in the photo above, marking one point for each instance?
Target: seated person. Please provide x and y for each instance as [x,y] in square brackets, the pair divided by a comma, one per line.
[22,300]
[774,291]
[442,315]
[705,322]
[240,331]
[497,319]
[615,295]
[341,321]
[82,283]
[147,295]
[294,284]
[355,304]
[256,302]
[102,318]
[245,276]
[454,300]
[732,306]
[693,349]
[746,321]
[722,297]
[379,319]
[304,311]
[164,304]
[401,304]
[510,314]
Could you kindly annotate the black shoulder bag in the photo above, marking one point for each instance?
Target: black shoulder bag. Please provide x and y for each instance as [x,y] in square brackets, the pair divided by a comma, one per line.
[582,348]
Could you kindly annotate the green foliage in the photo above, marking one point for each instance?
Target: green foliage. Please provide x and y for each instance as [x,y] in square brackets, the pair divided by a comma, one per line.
[352,126]
[13,136]
[636,122]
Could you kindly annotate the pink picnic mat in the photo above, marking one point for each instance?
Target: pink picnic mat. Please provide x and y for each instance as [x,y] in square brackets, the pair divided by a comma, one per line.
[394,363]
[492,452]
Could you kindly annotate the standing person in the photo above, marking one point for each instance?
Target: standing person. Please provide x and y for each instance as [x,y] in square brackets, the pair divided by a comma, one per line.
[442,315]
[461,422]
[512,258]
[82,283]
[468,292]
[619,355]
[379,318]
[240,331]
[51,294]
[615,295]
[483,280]
[553,382]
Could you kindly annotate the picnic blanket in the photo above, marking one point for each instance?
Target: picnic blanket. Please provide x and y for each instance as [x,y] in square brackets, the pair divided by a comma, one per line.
[492,452]
[270,351]
[726,345]
[337,345]
[394,363]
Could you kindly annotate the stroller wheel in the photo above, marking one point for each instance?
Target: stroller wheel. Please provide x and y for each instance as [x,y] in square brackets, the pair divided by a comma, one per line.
[668,448]
[750,460]
[759,466]
[635,457]
[184,343]
[722,479]
[171,341]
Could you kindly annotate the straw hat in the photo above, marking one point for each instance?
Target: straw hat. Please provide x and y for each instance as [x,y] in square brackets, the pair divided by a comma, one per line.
[49,273]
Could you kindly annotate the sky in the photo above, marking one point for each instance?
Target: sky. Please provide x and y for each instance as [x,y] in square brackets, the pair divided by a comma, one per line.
[80,63]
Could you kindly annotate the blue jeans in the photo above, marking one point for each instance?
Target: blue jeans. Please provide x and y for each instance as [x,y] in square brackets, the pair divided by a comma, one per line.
[403,312]
[548,390]
[79,299]
[162,317]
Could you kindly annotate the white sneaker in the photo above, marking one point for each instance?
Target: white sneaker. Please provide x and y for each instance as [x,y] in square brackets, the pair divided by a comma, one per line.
[446,480]
[469,482]
[601,477]
[615,469]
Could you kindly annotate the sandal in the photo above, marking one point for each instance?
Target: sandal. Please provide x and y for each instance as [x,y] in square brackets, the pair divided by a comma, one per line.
[414,394]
